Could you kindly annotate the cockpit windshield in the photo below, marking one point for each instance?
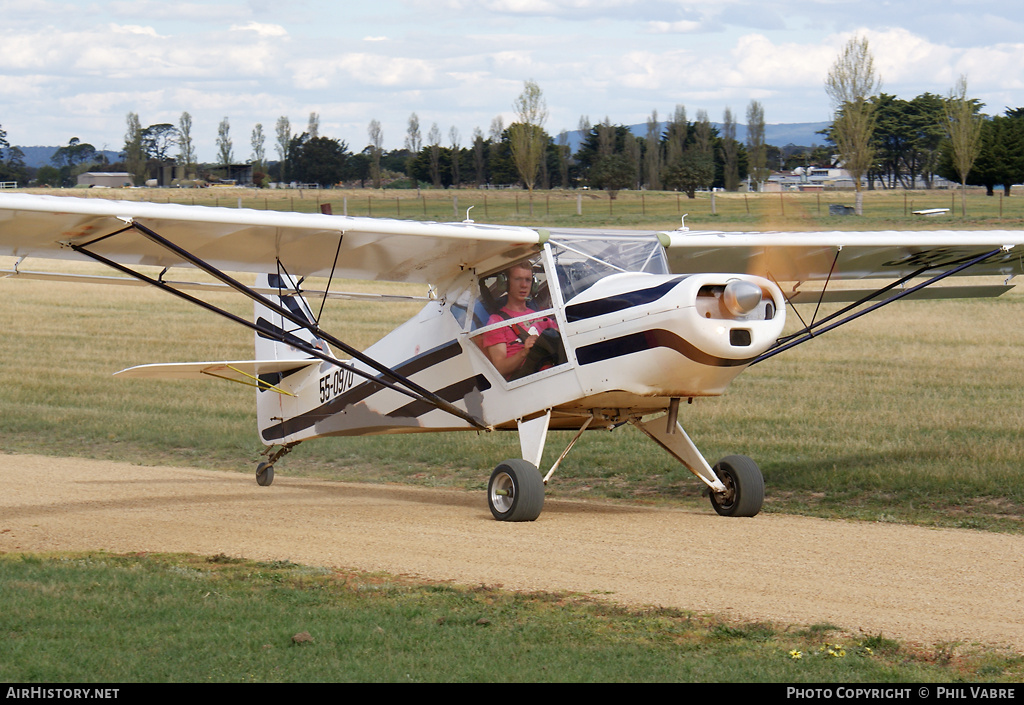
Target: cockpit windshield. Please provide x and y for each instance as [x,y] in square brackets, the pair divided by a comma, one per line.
[580,261]
[513,316]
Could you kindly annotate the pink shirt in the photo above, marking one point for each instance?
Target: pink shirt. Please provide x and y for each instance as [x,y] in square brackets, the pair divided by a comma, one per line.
[509,335]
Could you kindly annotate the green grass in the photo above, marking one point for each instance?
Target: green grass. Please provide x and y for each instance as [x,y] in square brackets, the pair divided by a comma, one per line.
[176,618]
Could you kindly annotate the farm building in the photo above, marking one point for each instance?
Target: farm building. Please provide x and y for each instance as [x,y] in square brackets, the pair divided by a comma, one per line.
[110,179]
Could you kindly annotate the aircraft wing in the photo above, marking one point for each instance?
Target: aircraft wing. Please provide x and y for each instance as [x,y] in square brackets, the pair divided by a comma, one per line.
[810,256]
[409,251]
[244,240]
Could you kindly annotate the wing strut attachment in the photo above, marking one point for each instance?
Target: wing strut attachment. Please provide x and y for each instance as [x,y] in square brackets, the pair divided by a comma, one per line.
[411,389]
[812,331]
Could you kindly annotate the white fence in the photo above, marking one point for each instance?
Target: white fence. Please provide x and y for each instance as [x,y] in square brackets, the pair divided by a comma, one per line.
[8,184]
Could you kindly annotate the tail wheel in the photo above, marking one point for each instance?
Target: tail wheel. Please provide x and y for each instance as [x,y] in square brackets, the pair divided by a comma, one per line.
[515,491]
[744,487]
[264,474]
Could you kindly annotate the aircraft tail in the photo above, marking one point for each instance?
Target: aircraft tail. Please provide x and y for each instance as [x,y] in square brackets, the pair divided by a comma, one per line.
[274,408]
[284,294]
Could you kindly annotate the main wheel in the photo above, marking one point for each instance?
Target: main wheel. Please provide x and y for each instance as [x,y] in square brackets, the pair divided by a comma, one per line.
[264,474]
[515,491]
[744,487]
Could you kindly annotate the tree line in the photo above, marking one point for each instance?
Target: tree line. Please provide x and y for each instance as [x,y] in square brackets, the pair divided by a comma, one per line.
[881,139]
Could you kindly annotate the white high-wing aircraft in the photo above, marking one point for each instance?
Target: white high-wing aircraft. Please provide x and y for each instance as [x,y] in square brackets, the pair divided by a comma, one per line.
[527,329]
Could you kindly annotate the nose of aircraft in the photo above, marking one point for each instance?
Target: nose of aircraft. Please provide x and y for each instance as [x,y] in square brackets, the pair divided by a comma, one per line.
[741,297]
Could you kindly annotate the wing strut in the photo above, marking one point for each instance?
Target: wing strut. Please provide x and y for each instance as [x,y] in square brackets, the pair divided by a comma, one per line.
[812,330]
[411,389]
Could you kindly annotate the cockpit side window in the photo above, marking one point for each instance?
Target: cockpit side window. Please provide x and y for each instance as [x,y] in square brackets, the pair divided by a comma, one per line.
[518,328]
[494,288]
[460,306]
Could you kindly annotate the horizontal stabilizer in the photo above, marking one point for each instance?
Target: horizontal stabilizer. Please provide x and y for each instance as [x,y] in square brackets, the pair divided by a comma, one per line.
[236,371]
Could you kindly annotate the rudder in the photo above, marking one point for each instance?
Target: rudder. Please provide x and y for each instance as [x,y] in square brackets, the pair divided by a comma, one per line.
[284,292]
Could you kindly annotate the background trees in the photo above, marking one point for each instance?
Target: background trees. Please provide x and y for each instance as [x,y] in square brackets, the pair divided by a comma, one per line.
[317,160]
[907,138]
[851,83]
[225,155]
[134,153]
[687,153]
[653,160]
[258,140]
[283,135]
[12,164]
[1000,159]
[186,147]
[690,172]
[158,139]
[434,157]
[70,160]
[756,147]
[76,152]
[730,153]
[962,124]
[527,139]
[376,148]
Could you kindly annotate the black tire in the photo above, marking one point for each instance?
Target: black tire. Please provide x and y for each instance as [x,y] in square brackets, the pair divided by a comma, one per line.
[264,474]
[515,491]
[744,486]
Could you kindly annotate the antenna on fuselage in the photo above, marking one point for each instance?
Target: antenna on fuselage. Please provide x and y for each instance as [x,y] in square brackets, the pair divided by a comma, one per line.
[468,219]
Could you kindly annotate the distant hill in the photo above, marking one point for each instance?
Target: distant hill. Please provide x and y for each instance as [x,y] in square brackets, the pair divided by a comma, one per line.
[803,134]
[36,157]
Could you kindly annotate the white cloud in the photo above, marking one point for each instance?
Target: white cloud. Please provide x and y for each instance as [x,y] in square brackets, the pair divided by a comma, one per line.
[677,27]
[133,29]
[364,69]
[264,30]
[25,52]
[201,13]
[588,9]
[760,62]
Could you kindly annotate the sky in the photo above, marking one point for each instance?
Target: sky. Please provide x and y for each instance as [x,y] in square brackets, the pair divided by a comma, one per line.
[76,69]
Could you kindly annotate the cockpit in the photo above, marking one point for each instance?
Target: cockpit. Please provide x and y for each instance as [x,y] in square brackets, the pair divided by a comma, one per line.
[515,315]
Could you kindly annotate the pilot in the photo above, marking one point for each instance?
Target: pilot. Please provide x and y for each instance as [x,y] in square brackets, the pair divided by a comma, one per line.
[509,348]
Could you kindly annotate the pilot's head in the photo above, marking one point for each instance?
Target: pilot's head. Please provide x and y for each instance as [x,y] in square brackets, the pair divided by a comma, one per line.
[520,282]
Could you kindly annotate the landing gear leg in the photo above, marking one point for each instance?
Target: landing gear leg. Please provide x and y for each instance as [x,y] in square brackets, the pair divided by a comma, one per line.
[265,470]
[736,484]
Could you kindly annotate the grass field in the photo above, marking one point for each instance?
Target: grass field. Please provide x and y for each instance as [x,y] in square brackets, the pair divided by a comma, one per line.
[158,618]
[910,415]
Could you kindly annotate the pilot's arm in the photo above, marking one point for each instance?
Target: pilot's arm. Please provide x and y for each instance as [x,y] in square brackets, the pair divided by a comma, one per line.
[503,362]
